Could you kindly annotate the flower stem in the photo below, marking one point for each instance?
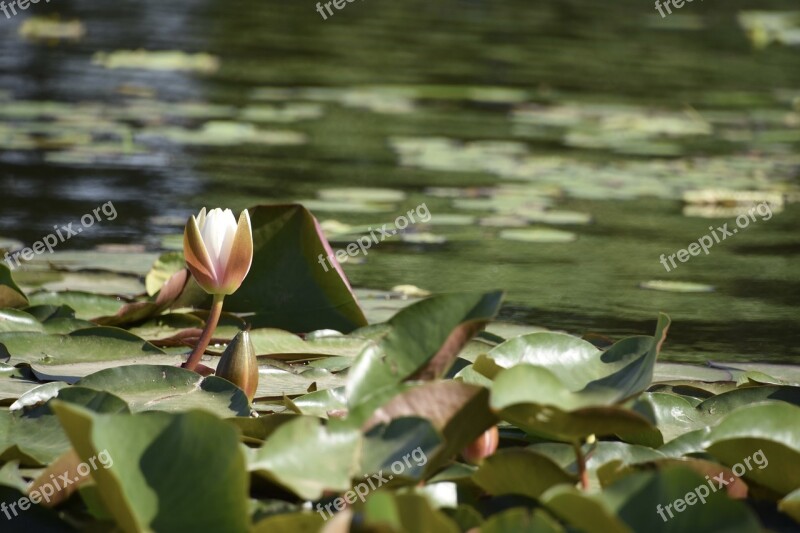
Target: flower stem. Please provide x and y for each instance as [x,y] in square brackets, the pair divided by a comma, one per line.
[208,332]
[580,459]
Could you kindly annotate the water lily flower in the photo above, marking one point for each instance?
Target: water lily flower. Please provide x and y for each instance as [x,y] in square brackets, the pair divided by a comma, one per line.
[219,253]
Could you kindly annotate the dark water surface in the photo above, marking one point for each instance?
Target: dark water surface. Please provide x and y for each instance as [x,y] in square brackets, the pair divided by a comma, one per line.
[490,112]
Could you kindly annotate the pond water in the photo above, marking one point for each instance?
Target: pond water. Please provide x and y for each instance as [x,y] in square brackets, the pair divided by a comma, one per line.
[552,142]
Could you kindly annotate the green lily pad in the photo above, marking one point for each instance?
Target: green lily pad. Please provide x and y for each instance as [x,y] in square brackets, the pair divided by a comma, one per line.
[164,268]
[675,415]
[7,244]
[407,442]
[538,235]
[520,471]
[552,411]
[290,112]
[320,403]
[676,286]
[34,436]
[15,320]
[767,27]
[404,512]
[13,388]
[286,346]
[791,505]
[290,523]
[277,382]
[560,218]
[85,345]
[167,388]
[598,455]
[770,428]
[622,371]
[633,503]
[224,133]
[170,472]
[157,60]
[423,341]
[459,411]
[362,194]
[521,521]
[122,262]
[308,458]
[85,304]
[108,283]
[319,299]
[48,29]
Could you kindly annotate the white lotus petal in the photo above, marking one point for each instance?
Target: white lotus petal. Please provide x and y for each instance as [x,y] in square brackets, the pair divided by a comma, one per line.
[214,232]
[228,238]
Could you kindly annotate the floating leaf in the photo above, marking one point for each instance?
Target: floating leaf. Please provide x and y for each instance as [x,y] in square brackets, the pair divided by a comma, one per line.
[167,388]
[207,485]
[290,523]
[771,429]
[40,28]
[163,269]
[404,512]
[552,411]
[85,345]
[521,521]
[539,235]
[791,505]
[520,471]
[636,503]
[288,288]
[767,27]
[423,342]
[291,457]
[157,60]
[363,194]
[15,320]
[676,286]
[85,305]
[34,436]
[459,411]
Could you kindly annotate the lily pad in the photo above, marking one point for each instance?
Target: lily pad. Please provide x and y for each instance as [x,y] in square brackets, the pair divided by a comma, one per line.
[86,345]
[157,60]
[319,299]
[208,487]
[769,428]
[520,471]
[310,473]
[538,235]
[167,388]
[419,345]
[676,286]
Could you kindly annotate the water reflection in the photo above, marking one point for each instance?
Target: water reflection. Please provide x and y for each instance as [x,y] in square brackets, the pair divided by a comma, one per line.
[513,114]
